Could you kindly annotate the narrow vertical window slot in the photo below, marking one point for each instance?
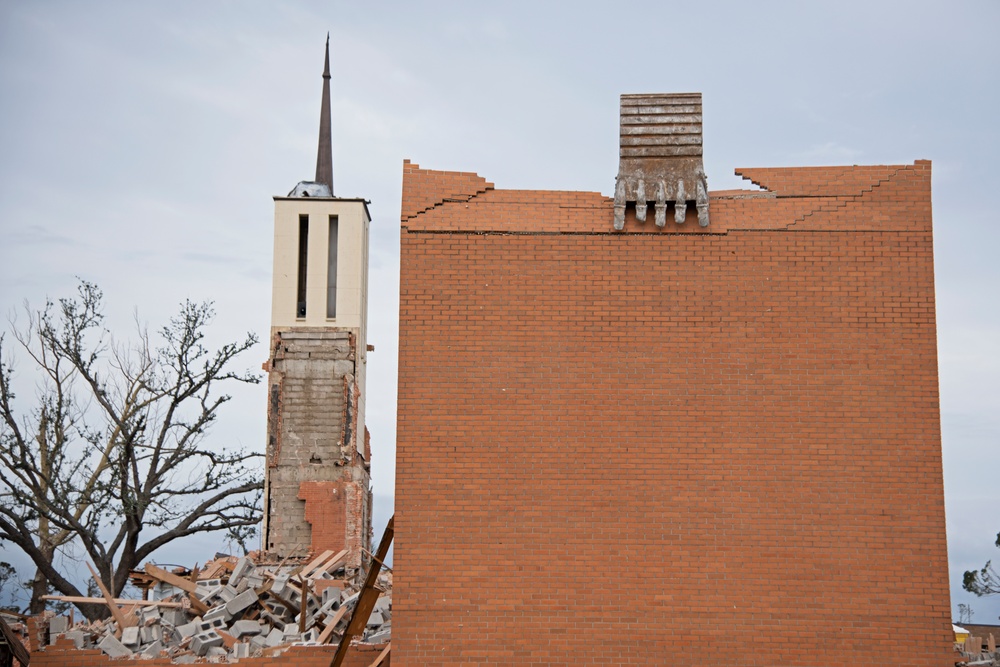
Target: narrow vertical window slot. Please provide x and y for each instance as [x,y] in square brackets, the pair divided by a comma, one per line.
[331,271]
[300,310]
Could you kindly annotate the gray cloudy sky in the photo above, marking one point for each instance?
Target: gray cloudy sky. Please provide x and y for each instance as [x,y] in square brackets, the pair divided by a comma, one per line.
[141,143]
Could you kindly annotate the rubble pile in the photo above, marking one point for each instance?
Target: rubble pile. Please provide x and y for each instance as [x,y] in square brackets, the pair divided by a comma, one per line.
[974,653]
[233,608]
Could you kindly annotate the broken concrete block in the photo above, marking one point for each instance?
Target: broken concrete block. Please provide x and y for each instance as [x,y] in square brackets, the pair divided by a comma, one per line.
[275,637]
[311,637]
[150,633]
[162,591]
[174,617]
[243,601]
[211,624]
[130,637]
[244,628]
[242,568]
[207,595]
[78,638]
[113,647]
[58,625]
[227,593]
[153,650]
[258,642]
[331,593]
[149,614]
[182,632]
[375,619]
[219,611]
[204,641]
[241,650]
[215,652]
[380,637]
[279,583]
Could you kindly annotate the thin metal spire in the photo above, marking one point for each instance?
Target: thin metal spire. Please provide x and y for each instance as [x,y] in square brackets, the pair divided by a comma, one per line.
[324,154]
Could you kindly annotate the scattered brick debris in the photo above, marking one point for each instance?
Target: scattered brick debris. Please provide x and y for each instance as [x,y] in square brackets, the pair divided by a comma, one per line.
[232,608]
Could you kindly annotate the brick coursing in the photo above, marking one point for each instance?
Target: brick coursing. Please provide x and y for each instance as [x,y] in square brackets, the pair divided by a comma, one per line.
[611,444]
[312,449]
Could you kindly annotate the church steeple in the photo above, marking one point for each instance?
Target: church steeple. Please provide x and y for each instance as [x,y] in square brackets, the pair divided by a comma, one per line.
[324,154]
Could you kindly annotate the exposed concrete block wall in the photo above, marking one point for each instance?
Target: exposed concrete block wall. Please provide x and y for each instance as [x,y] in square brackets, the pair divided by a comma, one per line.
[650,446]
[314,467]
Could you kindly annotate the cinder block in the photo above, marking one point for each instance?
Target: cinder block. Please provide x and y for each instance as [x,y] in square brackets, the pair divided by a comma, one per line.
[58,625]
[153,650]
[227,593]
[243,628]
[150,633]
[279,585]
[380,636]
[204,641]
[182,632]
[207,624]
[113,647]
[162,591]
[274,637]
[78,638]
[243,601]
[148,614]
[243,567]
[219,611]
[174,617]
[130,637]
[241,650]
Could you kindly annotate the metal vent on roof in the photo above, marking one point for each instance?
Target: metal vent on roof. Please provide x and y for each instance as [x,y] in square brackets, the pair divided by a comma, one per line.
[660,159]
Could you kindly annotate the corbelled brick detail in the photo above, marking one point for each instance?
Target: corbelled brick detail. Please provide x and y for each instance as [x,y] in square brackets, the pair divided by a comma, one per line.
[637,447]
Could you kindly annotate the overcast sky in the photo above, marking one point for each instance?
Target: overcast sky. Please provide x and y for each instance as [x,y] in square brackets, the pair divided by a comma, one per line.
[141,143]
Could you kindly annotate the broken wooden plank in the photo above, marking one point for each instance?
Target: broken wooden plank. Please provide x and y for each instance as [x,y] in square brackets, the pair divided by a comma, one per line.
[304,598]
[116,612]
[317,561]
[85,600]
[16,648]
[366,598]
[227,639]
[324,636]
[329,565]
[170,578]
[382,656]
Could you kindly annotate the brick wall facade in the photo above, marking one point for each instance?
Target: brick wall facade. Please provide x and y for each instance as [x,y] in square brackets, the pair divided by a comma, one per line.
[654,446]
[314,467]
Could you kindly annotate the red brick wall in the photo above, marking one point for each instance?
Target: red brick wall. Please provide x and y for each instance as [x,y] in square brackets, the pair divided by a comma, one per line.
[652,447]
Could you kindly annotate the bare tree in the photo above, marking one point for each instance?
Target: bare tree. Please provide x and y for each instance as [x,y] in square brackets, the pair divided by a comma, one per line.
[110,460]
[985,581]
